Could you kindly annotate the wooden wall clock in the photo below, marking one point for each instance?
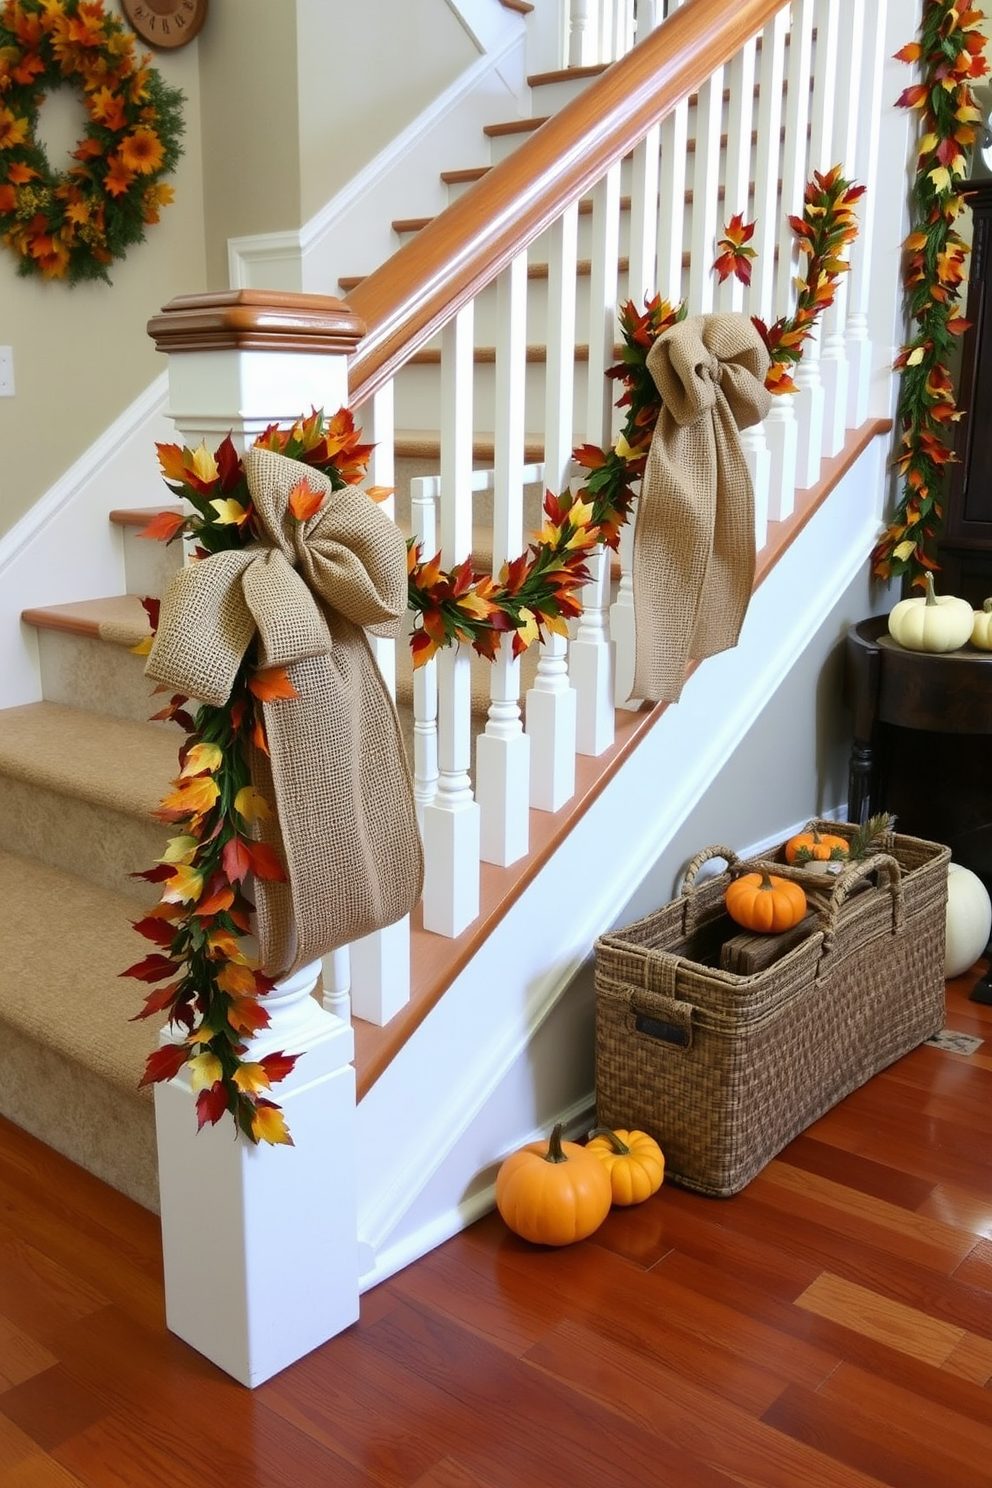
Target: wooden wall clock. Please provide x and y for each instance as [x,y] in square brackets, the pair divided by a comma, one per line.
[165,24]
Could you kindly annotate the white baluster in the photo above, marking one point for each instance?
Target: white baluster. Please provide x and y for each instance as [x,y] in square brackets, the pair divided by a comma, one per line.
[424,494]
[759,464]
[864,169]
[642,274]
[767,169]
[649,14]
[835,117]
[451,821]
[782,439]
[809,406]
[705,195]
[263,1310]
[502,757]
[737,198]
[336,966]
[581,39]
[590,661]
[671,202]
[380,962]
[551,701]
[623,626]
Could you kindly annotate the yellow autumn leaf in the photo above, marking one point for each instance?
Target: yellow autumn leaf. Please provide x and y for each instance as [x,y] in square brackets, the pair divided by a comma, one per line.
[229,512]
[204,1070]
[915,356]
[179,850]
[143,646]
[474,604]
[223,946]
[251,1078]
[204,464]
[580,513]
[904,550]
[549,535]
[941,178]
[235,979]
[268,1125]
[622,448]
[527,631]
[194,795]
[184,887]
[250,804]
[928,142]
[203,758]
[557,624]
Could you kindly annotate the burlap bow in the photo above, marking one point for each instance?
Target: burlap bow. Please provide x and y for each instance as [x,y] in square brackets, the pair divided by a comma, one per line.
[694,540]
[337,771]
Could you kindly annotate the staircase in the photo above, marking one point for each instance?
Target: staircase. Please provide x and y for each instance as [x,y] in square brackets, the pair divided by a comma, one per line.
[81,771]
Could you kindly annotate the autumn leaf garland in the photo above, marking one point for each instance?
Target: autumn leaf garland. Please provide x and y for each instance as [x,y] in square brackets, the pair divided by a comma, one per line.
[950,54]
[204,978]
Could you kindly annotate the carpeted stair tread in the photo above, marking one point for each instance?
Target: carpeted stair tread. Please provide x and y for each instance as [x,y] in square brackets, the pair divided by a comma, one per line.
[110,762]
[65,943]
[118,618]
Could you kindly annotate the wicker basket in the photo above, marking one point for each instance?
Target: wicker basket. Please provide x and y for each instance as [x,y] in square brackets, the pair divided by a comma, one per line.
[724,1069]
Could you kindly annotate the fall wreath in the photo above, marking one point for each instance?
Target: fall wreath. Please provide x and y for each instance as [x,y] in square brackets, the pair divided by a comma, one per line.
[72,224]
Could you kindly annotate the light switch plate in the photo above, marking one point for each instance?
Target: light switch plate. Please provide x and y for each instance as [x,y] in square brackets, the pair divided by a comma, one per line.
[6,371]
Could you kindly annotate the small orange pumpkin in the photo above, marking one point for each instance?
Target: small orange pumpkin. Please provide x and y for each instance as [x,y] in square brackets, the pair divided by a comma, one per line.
[816,847]
[765,903]
[634,1161]
[554,1193]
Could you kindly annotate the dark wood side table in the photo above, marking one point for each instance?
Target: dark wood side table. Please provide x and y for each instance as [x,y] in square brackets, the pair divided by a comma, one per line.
[922,748]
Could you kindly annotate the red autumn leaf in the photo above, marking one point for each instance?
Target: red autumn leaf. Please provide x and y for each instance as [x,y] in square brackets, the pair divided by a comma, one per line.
[236,860]
[164,1063]
[157,1001]
[278,1066]
[265,862]
[211,1105]
[151,607]
[153,968]
[155,929]
[164,526]
[272,683]
[228,466]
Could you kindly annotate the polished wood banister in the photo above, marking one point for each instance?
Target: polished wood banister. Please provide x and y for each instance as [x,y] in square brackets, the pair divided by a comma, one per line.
[457,254]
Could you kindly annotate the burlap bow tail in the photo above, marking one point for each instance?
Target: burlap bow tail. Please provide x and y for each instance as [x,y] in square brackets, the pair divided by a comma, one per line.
[344,815]
[694,540]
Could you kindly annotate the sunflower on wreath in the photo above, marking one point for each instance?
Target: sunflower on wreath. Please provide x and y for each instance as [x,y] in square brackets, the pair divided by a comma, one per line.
[72,224]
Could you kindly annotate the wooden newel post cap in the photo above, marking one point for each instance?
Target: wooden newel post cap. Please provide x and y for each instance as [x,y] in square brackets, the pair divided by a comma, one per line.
[257,320]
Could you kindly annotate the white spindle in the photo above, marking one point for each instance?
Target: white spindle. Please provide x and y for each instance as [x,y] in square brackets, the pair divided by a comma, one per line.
[642,274]
[581,36]
[866,169]
[590,661]
[737,194]
[705,194]
[502,756]
[380,962]
[649,14]
[425,492]
[782,438]
[623,628]
[827,137]
[336,973]
[768,165]
[671,202]
[451,821]
[551,701]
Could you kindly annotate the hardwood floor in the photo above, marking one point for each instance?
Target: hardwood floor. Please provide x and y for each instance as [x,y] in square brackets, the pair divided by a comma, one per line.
[829,1327]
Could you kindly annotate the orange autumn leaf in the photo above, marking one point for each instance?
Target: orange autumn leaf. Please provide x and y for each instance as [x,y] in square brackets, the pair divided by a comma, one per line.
[247,1015]
[265,862]
[271,684]
[236,978]
[164,526]
[215,903]
[304,502]
[269,1125]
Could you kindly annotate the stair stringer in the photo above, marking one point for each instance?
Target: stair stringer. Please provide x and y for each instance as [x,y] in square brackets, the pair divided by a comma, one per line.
[353,232]
[65,548]
[508,1050]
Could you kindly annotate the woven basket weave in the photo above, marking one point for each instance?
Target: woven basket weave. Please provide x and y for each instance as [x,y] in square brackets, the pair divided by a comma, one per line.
[723,1070]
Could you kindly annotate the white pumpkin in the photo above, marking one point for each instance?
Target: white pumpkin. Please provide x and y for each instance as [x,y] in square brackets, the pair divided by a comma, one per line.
[969,920]
[981,627]
[931,622]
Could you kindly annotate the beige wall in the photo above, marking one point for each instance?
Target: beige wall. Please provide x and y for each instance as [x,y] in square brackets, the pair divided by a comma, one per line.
[81,355]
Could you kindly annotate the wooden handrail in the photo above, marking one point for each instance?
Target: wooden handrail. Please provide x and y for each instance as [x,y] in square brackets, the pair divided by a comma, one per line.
[463,249]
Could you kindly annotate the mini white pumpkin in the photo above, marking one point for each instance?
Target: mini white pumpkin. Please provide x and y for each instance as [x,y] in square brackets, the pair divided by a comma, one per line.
[931,622]
[981,627]
[969,920]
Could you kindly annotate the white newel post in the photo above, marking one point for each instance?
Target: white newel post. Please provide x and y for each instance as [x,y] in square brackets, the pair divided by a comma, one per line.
[283,1219]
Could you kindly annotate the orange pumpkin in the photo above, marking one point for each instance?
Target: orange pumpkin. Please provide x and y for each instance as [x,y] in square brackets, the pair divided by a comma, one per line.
[634,1161]
[764,902]
[814,846]
[553,1193]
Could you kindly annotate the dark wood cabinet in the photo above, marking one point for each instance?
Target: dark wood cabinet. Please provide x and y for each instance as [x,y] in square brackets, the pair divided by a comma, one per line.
[965,549]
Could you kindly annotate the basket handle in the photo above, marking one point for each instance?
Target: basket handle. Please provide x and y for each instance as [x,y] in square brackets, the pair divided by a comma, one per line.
[829,908]
[727,853]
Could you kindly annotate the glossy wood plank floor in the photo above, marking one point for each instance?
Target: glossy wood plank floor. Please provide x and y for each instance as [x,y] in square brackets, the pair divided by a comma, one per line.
[830,1327]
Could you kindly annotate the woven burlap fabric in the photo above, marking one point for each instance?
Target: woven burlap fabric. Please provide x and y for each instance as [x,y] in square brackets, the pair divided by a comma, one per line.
[304,593]
[694,540]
